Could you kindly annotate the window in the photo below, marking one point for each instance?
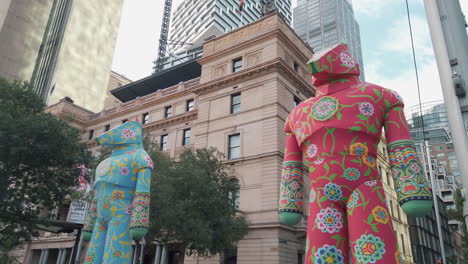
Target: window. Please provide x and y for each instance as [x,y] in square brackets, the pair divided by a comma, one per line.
[234,146]
[106,128]
[167,111]
[186,138]
[190,105]
[403,244]
[164,142]
[296,101]
[91,134]
[235,103]
[124,121]
[391,208]
[237,65]
[145,118]
[296,67]
[234,196]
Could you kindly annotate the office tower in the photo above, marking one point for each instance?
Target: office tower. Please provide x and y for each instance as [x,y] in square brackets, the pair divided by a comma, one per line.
[195,20]
[323,23]
[62,47]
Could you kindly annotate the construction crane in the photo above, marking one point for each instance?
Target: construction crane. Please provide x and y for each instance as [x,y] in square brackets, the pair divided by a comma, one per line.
[164,35]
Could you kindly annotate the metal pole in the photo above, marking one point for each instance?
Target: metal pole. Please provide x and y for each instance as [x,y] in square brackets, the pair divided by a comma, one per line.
[436,203]
[164,255]
[75,258]
[143,242]
[157,257]
[455,119]
[78,251]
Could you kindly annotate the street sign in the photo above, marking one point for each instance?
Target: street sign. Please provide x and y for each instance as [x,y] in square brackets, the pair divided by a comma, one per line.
[77,211]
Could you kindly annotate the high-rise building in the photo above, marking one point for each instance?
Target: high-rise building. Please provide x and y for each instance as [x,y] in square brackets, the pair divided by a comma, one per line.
[63,47]
[323,23]
[195,20]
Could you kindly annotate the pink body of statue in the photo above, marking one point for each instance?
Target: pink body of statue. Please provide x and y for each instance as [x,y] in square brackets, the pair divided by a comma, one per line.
[334,136]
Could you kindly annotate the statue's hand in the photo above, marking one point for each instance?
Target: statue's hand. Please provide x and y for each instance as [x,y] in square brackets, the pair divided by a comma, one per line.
[138,233]
[417,208]
[86,235]
[289,219]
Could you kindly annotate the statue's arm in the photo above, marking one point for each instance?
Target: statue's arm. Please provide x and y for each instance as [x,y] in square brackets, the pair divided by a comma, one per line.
[414,193]
[90,220]
[292,182]
[140,208]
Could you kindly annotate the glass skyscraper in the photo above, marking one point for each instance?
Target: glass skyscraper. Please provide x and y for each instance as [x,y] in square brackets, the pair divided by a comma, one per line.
[323,23]
[195,20]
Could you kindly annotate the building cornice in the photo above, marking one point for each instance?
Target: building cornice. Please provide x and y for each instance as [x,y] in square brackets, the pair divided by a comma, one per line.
[277,64]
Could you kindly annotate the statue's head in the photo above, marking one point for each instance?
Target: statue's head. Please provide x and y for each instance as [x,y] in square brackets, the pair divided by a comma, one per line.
[332,63]
[125,134]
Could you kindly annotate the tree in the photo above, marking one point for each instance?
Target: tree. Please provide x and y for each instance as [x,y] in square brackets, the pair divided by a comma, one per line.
[457,214]
[38,155]
[193,203]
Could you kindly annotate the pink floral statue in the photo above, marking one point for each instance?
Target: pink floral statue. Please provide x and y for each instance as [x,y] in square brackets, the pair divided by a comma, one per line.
[334,137]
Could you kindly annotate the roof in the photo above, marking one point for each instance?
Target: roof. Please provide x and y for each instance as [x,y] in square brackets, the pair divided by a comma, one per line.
[167,78]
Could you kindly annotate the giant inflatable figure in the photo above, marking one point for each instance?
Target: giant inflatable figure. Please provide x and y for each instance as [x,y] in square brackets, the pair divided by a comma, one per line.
[120,208]
[334,137]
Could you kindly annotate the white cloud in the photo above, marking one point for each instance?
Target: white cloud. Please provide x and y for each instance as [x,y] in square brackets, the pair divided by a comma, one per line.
[370,7]
[399,39]
[405,84]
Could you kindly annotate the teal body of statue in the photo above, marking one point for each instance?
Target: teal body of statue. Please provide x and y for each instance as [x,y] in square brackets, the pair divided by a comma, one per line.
[119,211]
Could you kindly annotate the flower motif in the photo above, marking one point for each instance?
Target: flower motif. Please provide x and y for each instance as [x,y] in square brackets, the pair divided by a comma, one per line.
[366,109]
[410,187]
[353,200]
[118,195]
[117,254]
[312,195]
[329,220]
[347,60]
[369,249]
[333,192]
[398,257]
[90,258]
[128,133]
[415,168]
[130,152]
[380,214]
[319,161]
[124,171]
[103,168]
[369,161]
[358,149]
[149,162]
[328,255]
[371,183]
[352,174]
[294,186]
[312,150]
[325,108]
[299,132]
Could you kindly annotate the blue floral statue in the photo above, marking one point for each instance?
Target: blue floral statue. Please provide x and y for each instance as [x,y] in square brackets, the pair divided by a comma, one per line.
[120,208]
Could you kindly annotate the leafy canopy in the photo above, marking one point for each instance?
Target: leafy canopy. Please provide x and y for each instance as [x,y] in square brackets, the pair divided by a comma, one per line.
[193,203]
[38,155]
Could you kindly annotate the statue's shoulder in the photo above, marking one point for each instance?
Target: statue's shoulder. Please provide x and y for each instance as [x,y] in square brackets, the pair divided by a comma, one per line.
[144,158]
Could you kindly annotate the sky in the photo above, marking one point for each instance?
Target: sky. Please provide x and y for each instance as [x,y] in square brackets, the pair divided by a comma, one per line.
[385,42]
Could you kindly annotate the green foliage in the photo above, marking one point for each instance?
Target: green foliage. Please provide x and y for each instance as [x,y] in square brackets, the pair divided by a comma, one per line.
[38,154]
[192,202]
[457,214]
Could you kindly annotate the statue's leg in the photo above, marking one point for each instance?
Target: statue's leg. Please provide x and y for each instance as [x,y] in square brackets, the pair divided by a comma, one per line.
[96,245]
[119,246]
[371,235]
[327,232]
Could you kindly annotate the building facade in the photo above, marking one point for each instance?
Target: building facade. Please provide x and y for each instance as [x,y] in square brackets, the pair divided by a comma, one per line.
[425,237]
[116,80]
[62,47]
[195,20]
[323,23]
